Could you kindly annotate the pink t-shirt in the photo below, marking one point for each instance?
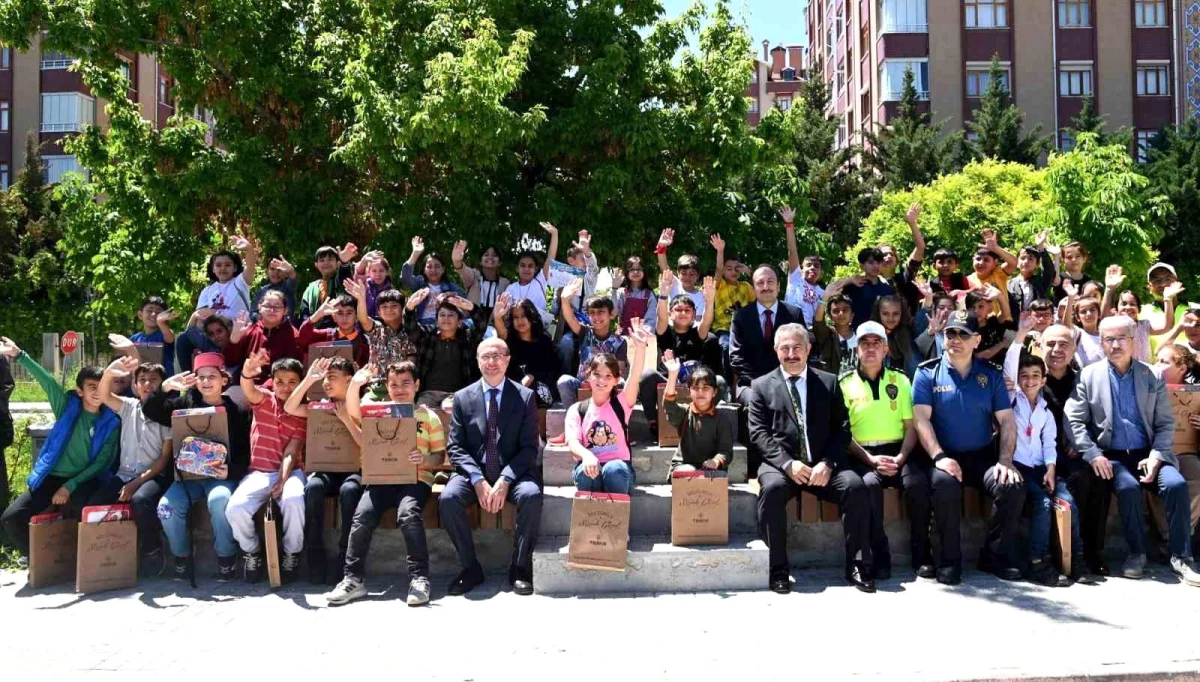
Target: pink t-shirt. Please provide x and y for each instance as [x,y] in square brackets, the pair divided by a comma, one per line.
[599,430]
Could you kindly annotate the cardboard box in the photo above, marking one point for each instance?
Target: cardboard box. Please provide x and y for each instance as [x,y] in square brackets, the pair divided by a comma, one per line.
[830,513]
[389,435]
[891,504]
[1062,535]
[810,508]
[699,508]
[329,447]
[107,556]
[668,436]
[149,353]
[1185,402]
[271,545]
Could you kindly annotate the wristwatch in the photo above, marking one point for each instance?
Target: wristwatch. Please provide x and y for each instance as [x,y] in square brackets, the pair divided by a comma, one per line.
[940,456]
[662,297]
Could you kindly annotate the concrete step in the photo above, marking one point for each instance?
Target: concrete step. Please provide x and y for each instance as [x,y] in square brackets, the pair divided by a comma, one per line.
[650,510]
[653,564]
[651,463]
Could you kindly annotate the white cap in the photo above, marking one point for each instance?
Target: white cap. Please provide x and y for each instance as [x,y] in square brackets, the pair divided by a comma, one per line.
[1161,266]
[870,329]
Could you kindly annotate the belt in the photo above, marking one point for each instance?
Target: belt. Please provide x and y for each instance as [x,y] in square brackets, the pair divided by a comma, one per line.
[877,443]
[1119,454]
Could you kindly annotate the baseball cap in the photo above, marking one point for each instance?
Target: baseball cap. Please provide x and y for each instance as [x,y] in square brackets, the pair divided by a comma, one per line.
[1161,266]
[959,319]
[870,329]
[208,360]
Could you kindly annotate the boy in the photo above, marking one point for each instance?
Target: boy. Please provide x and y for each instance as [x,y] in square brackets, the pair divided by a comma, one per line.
[77,455]
[1075,258]
[902,276]
[864,289]
[409,500]
[732,293]
[281,277]
[691,344]
[706,440]
[145,449]
[276,438]
[334,375]
[207,332]
[156,328]
[1028,285]
[991,329]
[344,311]
[270,332]
[688,269]
[334,267]
[598,337]
[1036,458]
[446,359]
[949,279]
[988,271]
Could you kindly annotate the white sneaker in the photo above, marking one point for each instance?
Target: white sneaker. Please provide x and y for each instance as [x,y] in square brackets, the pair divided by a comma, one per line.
[418,592]
[1134,566]
[23,563]
[346,591]
[1186,570]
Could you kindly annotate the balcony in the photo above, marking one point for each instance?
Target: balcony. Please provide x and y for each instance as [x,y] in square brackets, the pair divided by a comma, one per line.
[892,27]
[61,127]
[896,95]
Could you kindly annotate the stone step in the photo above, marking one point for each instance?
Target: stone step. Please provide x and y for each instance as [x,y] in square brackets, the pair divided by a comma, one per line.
[650,510]
[651,463]
[653,564]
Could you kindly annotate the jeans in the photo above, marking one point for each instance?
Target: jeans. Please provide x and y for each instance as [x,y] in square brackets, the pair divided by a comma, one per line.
[252,493]
[723,339]
[616,476]
[319,485]
[1042,508]
[187,344]
[31,503]
[144,505]
[409,501]
[568,390]
[565,348]
[1172,488]
[173,511]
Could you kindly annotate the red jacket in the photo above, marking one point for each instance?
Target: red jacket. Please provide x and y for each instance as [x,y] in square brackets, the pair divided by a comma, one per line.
[309,334]
[280,342]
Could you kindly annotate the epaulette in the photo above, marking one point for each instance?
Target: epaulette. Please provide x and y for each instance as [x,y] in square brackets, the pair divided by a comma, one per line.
[845,373]
[929,364]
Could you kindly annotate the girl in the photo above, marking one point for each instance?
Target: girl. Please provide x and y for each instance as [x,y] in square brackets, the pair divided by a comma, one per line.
[434,280]
[1178,365]
[706,440]
[1074,260]
[533,277]
[1129,305]
[229,276]
[636,298]
[376,274]
[1084,314]
[484,285]
[891,312]
[532,363]
[597,431]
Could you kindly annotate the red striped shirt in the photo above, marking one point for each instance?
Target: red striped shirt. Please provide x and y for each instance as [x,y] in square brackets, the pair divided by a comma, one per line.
[271,431]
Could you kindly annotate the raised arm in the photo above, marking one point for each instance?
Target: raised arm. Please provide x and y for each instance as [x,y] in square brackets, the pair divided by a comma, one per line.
[672,365]
[500,312]
[316,372]
[249,248]
[664,242]
[989,242]
[359,292]
[551,249]
[789,231]
[911,217]
[122,366]
[640,338]
[163,321]
[718,245]
[1168,321]
[354,392]
[1113,279]
[665,281]
[251,368]
[569,292]
[710,297]
[458,259]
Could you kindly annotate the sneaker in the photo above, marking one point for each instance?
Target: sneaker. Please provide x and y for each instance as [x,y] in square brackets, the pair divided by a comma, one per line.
[23,563]
[154,562]
[418,591]
[289,566]
[1134,566]
[183,569]
[347,591]
[1182,566]
[226,569]
[1043,572]
[253,565]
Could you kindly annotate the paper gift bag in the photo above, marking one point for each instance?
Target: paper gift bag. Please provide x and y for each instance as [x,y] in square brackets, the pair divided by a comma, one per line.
[271,544]
[599,531]
[207,423]
[326,349]
[389,434]
[1185,402]
[329,446]
[668,436]
[51,549]
[699,508]
[149,353]
[1062,535]
[107,556]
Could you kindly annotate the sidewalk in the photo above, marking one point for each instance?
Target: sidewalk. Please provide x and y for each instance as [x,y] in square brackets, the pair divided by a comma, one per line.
[825,630]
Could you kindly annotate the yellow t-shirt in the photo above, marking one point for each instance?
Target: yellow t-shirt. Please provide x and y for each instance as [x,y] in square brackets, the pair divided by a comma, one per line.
[879,418]
[998,279]
[729,298]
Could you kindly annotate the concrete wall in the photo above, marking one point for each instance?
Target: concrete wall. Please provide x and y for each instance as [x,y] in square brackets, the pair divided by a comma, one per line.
[1033,62]
[1113,75]
[946,62]
[27,98]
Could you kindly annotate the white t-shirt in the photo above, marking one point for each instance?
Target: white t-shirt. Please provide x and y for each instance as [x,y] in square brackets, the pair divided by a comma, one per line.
[697,297]
[227,299]
[535,291]
[1088,348]
[803,295]
[141,440]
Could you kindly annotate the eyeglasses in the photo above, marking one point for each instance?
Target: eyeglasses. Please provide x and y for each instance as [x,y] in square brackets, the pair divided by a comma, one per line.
[1162,280]
[1117,340]
[493,357]
[264,306]
[958,334]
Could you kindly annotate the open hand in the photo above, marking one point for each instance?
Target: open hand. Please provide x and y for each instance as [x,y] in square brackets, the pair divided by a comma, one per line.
[671,362]
[1113,277]
[914,212]
[717,242]
[788,214]
[666,238]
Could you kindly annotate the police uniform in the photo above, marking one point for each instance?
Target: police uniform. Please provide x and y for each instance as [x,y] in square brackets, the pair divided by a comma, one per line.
[877,411]
[964,409]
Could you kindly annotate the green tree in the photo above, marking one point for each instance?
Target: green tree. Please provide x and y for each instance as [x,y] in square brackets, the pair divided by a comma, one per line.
[910,150]
[1088,120]
[1173,168]
[997,127]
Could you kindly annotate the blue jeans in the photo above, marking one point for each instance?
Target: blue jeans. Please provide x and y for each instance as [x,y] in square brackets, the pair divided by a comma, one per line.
[566,352]
[1172,488]
[173,511]
[568,390]
[616,476]
[1042,505]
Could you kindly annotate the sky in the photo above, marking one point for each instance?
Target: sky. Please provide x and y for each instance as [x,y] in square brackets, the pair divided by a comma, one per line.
[779,21]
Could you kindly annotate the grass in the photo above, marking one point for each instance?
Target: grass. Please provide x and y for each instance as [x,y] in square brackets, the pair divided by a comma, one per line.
[28,392]
[19,457]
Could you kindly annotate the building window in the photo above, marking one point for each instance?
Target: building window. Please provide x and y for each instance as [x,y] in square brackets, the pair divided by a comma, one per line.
[65,112]
[754,74]
[1153,80]
[903,16]
[55,60]
[1143,143]
[1149,13]
[891,78]
[979,77]
[164,91]
[840,82]
[5,57]
[986,13]
[753,104]
[4,176]
[1075,81]
[1074,13]
[783,102]
[1066,140]
[56,166]
[5,115]
[126,70]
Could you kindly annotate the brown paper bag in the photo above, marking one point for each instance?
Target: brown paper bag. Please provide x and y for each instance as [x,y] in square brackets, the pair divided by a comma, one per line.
[149,353]
[107,556]
[326,349]
[668,436]
[52,551]
[599,531]
[271,545]
[1062,535]
[699,508]
[389,434]
[209,423]
[1185,402]
[329,446]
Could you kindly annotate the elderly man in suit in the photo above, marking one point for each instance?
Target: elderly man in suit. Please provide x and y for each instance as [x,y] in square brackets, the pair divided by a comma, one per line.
[1122,425]
[493,446]
[798,421]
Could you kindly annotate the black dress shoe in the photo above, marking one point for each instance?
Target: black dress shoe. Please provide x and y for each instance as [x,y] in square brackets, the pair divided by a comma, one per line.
[926,571]
[1096,566]
[990,563]
[522,587]
[949,575]
[781,583]
[466,581]
[860,579]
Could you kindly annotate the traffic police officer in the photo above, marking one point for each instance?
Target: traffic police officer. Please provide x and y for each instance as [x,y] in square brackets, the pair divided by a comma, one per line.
[958,403]
[884,447]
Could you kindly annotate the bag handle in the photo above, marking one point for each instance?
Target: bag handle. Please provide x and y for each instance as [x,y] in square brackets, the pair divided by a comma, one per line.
[188,421]
[394,433]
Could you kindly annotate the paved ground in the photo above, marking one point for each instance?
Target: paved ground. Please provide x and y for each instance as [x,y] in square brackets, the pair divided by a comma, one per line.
[824,630]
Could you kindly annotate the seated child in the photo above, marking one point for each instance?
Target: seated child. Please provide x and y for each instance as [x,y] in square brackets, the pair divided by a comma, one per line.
[705,439]
[597,337]
[156,328]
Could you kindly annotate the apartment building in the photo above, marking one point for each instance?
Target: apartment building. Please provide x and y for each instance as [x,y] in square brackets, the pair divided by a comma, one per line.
[775,80]
[1139,60]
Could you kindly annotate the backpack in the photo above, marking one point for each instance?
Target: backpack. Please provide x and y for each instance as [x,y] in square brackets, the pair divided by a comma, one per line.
[618,409]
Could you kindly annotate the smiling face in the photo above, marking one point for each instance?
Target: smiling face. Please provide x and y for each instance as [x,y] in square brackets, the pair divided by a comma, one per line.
[792,350]
[146,384]
[960,343]
[148,316]
[703,396]
[402,387]
[841,313]
[327,265]
[271,309]
[981,310]
[1042,319]
[683,313]
[90,395]
[434,270]
[493,360]
[1127,305]
[602,380]
[447,322]
[635,273]
[335,384]
[889,314]
[601,318]
[285,382]
[489,259]
[1027,263]
[526,269]
[223,267]
[766,287]
[1117,341]
[1088,312]
[984,264]
[217,334]
[945,266]
[1073,260]
[211,383]
[1031,379]
[390,312]
[377,272]
[1161,278]
[811,269]
[1058,347]
[521,323]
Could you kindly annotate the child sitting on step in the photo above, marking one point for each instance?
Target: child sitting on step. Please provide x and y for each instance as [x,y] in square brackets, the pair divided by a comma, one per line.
[705,439]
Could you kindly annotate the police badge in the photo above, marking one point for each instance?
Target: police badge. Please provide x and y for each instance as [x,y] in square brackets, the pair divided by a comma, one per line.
[982,379]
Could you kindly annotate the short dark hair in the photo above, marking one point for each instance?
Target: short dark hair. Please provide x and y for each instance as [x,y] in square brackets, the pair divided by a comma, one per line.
[152,300]
[287,365]
[444,303]
[602,360]
[1031,360]
[869,253]
[1137,300]
[682,298]
[238,267]
[327,252]
[1077,245]
[150,368]
[841,299]
[942,295]
[389,296]
[945,254]
[702,375]
[985,251]
[975,296]
[812,259]
[403,367]
[1042,305]
[598,302]
[1030,251]
[343,365]
[732,255]
[345,301]
[86,373]
[531,255]
[219,319]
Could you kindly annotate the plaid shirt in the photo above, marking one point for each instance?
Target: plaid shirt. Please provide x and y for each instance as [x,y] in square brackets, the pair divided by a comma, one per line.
[467,337]
[729,298]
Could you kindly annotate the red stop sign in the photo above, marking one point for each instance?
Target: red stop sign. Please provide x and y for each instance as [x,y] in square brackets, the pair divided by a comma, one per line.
[69,343]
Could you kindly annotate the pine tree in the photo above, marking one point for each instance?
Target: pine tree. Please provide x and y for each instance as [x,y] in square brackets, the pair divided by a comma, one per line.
[30,183]
[910,150]
[1088,120]
[996,127]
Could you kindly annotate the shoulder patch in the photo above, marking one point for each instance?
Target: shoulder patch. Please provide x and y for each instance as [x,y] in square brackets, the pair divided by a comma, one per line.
[930,363]
[845,374]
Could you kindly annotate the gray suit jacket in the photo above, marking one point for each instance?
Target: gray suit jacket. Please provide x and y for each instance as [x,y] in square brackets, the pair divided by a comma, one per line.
[1090,410]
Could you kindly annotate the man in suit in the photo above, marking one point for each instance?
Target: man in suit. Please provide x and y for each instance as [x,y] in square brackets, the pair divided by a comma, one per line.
[798,422]
[1122,423]
[751,350]
[493,446]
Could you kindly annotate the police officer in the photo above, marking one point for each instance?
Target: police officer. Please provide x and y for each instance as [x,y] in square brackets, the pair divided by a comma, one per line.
[957,400]
[884,447]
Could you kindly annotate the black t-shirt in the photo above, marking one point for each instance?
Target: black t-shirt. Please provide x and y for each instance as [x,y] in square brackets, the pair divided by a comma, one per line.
[536,357]
[1056,393]
[689,347]
[990,334]
[446,371]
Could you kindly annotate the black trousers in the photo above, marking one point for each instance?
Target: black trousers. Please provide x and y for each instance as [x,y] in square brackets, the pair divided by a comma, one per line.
[744,395]
[1003,520]
[409,501]
[845,488]
[144,505]
[459,494]
[1092,496]
[319,485]
[33,502]
[913,479]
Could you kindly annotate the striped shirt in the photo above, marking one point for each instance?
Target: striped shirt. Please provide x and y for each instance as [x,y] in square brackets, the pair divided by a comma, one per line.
[270,432]
[431,438]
